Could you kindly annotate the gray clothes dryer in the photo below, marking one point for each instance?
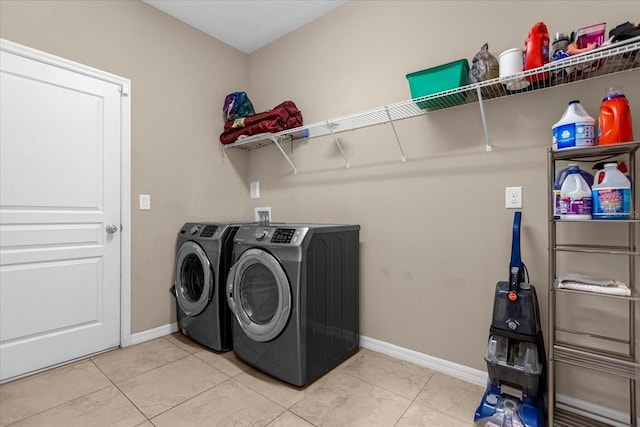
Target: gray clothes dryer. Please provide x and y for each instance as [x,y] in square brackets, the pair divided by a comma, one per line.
[294,293]
[203,259]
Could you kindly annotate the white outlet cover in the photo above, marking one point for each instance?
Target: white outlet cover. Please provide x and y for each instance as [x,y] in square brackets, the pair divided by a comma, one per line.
[258,210]
[513,197]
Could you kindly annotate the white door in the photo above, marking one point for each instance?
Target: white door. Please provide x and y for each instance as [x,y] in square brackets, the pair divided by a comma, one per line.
[60,142]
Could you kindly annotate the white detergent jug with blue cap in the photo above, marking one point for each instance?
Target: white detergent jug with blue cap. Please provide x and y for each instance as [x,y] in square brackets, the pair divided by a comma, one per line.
[576,128]
[611,194]
[575,196]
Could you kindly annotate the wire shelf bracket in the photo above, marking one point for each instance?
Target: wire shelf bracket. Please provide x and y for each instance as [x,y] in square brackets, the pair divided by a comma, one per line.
[484,120]
[277,144]
[395,133]
[335,139]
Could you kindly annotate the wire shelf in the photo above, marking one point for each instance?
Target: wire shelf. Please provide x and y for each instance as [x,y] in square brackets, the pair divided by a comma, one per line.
[604,61]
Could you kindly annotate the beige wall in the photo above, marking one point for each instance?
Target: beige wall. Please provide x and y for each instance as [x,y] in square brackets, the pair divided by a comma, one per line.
[435,235]
[179,77]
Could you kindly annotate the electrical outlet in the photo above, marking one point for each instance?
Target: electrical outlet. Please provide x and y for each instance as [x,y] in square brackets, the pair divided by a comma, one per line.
[513,198]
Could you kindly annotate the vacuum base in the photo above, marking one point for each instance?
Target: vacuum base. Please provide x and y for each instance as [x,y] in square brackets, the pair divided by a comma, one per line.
[497,409]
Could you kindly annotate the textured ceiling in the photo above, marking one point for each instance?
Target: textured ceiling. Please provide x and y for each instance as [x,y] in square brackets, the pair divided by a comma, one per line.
[246,25]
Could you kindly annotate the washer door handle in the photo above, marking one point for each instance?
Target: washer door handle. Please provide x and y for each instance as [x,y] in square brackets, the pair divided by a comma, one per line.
[230,283]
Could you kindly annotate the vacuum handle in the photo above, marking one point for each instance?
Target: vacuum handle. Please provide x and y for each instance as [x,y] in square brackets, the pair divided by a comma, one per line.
[514,282]
[516,273]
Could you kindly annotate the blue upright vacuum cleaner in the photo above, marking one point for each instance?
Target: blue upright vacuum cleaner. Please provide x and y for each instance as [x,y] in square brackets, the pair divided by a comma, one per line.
[516,360]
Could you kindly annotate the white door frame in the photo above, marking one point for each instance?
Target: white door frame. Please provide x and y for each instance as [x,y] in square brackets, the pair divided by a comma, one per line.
[125,166]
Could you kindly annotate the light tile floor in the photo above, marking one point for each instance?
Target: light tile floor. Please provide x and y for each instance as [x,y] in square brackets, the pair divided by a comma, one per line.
[172,381]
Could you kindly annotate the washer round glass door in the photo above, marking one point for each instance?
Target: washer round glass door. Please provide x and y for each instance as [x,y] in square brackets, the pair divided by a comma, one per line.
[194,279]
[259,295]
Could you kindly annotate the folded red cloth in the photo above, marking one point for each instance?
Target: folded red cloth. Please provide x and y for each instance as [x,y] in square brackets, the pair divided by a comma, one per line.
[283,116]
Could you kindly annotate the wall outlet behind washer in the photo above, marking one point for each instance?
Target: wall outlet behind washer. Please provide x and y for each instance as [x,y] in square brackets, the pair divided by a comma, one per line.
[260,213]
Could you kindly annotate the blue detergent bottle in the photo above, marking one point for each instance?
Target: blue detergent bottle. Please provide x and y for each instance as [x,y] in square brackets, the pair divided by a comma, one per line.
[557,186]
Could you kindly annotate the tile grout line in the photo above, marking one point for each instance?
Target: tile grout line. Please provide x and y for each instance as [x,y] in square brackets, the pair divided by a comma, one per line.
[119,390]
[225,381]
[135,376]
[55,406]
[150,370]
[67,365]
[414,399]
[261,394]
[191,398]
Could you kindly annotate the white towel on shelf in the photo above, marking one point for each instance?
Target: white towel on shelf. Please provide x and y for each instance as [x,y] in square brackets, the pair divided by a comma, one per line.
[580,282]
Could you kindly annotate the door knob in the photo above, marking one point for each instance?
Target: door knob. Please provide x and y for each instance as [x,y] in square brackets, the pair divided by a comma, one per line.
[112,228]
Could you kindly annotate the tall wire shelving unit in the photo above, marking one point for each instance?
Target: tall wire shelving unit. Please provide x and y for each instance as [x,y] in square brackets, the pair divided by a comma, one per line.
[603,353]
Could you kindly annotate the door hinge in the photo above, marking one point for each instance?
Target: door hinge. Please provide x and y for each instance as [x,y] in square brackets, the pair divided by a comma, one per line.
[124,90]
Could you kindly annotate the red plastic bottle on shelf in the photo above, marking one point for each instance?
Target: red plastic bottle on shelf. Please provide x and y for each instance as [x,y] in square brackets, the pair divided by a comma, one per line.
[614,121]
[536,51]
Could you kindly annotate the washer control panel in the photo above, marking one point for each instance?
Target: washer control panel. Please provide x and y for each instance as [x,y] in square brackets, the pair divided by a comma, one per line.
[200,230]
[281,235]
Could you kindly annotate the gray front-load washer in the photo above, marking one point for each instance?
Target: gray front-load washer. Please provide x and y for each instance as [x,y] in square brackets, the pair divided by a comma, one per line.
[293,290]
[203,260]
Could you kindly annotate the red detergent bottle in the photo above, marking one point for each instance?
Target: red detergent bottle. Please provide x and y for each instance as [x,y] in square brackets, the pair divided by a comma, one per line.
[614,121]
[536,51]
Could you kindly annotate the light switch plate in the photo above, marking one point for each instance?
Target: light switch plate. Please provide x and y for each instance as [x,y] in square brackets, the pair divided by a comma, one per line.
[145,202]
[255,189]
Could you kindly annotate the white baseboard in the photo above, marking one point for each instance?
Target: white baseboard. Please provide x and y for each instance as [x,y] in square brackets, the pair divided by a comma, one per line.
[154,333]
[465,373]
[474,376]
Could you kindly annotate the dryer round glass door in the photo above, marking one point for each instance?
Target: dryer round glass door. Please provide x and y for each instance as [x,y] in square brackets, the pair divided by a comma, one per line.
[259,295]
[194,279]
